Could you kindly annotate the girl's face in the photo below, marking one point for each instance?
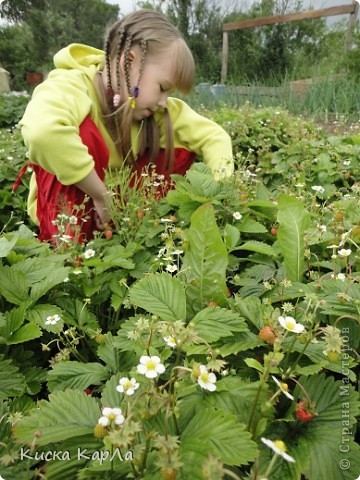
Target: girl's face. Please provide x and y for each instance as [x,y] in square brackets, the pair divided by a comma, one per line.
[156,84]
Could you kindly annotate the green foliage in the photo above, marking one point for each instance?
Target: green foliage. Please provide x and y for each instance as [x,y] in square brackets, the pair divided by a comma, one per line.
[352,57]
[293,221]
[17,52]
[66,415]
[161,295]
[336,405]
[268,55]
[44,27]
[198,281]
[76,375]
[12,107]
[12,158]
[205,262]
[210,431]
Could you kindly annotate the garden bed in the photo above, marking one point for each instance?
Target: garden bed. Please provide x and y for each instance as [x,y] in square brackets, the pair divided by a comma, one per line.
[214,334]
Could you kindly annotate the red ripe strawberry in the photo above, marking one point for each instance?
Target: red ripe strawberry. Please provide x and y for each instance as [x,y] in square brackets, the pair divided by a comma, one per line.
[108,234]
[302,412]
[267,335]
[78,261]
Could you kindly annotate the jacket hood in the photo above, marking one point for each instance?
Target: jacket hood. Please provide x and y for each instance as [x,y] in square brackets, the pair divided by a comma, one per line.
[79,57]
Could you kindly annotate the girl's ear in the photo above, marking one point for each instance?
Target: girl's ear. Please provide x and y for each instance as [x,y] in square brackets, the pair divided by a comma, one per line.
[132,55]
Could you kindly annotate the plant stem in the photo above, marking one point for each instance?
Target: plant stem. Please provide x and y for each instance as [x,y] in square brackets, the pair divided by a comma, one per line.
[262,381]
[289,350]
[271,464]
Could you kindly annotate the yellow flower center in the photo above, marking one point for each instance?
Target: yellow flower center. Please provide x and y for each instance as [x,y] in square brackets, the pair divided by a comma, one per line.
[289,324]
[150,365]
[204,377]
[280,445]
[284,386]
[111,417]
[127,385]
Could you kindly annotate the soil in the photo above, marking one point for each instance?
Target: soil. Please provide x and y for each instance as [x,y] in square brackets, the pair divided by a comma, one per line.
[340,127]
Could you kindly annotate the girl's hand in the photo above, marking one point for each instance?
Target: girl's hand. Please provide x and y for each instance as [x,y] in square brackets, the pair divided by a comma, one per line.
[94,187]
[102,216]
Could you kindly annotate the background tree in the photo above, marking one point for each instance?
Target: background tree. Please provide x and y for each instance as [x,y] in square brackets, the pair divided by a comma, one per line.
[265,54]
[46,26]
[200,21]
[16,52]
[19,10]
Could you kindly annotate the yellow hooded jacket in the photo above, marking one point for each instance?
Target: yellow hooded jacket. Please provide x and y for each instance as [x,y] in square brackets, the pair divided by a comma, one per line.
[50,125]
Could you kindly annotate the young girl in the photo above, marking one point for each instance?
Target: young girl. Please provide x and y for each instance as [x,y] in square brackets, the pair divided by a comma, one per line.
[97,110]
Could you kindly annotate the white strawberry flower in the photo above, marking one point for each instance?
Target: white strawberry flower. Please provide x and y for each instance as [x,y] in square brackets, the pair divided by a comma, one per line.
[89,253]
[206,379]
[171,268]
[344,252]
[151,367]
[111,415]
[237,215]
[283,387]
[52,319]
[318,189]
[127,386]
[290,324]
[170,341]
[279,447]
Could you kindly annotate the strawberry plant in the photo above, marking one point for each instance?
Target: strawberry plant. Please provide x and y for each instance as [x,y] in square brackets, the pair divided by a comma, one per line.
[210,334]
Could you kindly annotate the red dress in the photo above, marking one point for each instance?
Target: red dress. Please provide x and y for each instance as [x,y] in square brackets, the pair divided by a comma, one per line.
[53,198]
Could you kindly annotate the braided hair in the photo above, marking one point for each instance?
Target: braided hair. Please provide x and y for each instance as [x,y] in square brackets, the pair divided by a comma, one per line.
[152,33]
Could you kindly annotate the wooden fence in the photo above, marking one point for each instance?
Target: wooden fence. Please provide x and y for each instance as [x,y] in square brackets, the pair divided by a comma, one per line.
[350,9]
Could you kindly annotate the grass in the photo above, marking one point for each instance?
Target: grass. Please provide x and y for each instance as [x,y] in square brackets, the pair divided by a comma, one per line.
[325,99]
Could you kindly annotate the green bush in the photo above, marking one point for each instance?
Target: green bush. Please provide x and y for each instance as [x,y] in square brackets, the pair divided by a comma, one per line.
[12,158]
[12,107]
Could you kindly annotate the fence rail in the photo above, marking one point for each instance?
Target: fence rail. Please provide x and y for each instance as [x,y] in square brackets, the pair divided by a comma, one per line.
[351,9]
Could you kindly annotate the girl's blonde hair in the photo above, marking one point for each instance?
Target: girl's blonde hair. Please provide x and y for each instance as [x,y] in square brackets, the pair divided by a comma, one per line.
[152,32]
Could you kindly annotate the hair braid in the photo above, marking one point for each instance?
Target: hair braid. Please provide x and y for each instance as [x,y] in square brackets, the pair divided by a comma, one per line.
[127,48]
[149,33]
[109,90]
[121,35]
[143,46]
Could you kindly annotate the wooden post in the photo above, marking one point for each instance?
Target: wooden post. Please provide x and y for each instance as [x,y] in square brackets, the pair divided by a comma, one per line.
[351,25]
[351,9]
[225,56]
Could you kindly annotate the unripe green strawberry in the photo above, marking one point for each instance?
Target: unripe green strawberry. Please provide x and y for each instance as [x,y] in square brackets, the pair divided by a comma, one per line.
[212,304]
[339,216]
[332,355]
[100,431]
[100,338]
[168,473]
[243,196]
